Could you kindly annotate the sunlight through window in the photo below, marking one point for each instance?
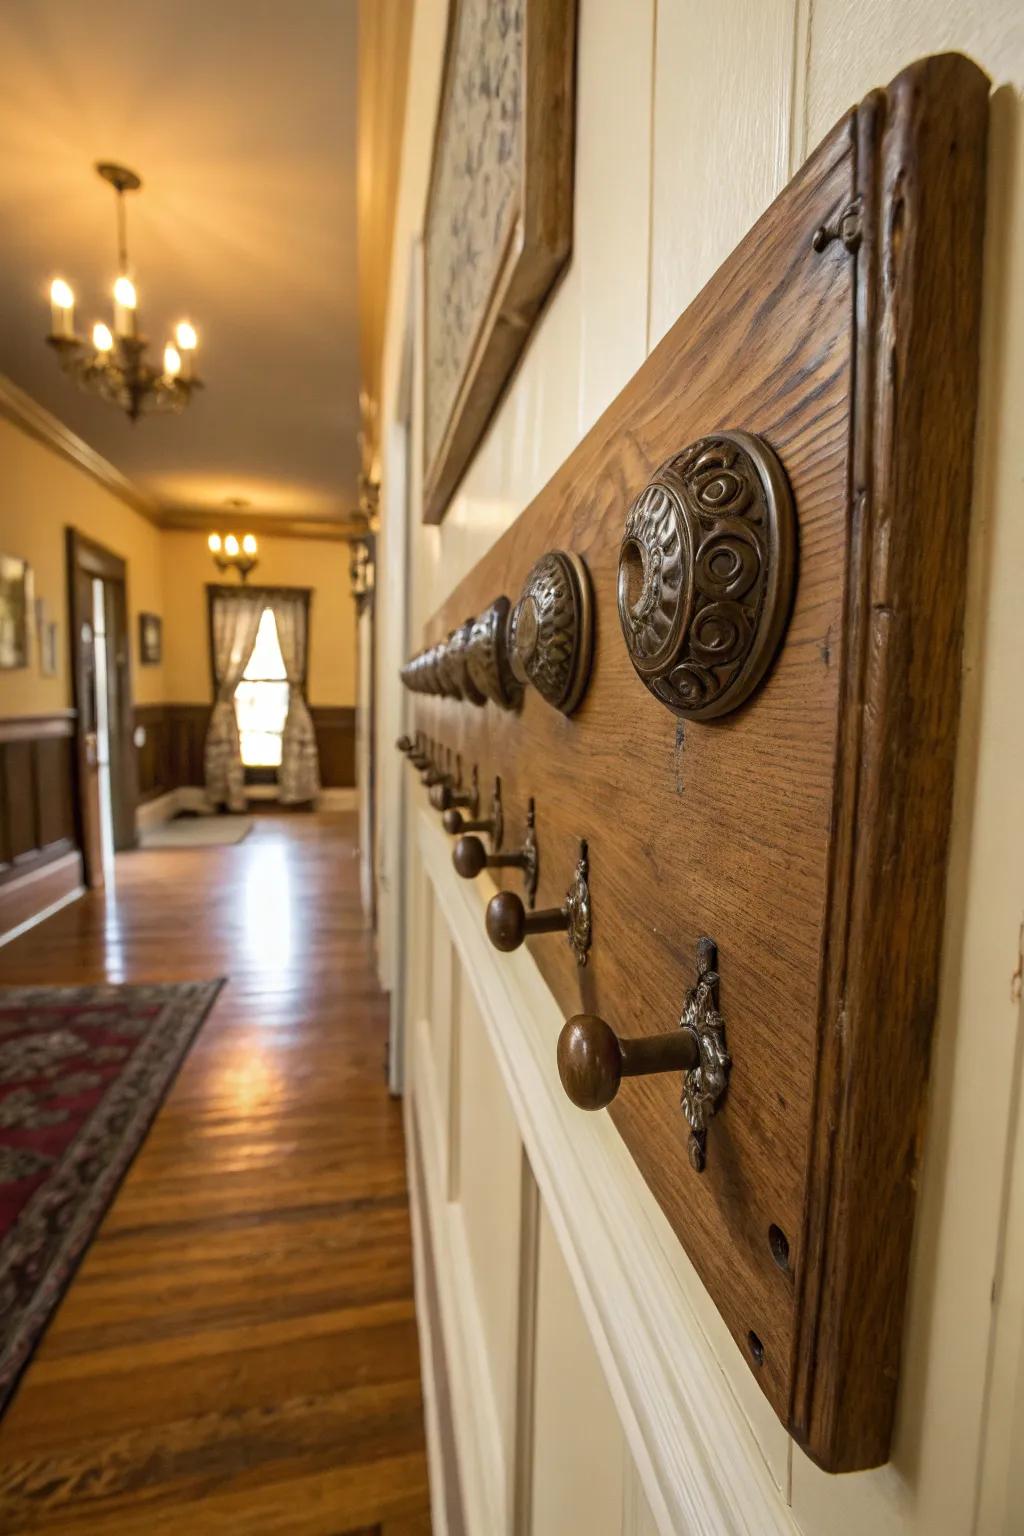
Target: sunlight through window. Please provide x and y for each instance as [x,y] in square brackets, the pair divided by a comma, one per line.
[261,698]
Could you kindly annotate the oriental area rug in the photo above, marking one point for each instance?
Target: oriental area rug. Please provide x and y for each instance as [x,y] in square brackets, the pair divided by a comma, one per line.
[83,1071]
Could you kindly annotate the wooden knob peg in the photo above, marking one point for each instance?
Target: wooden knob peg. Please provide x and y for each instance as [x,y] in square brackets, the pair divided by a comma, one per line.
[508,922]
[592,1060]
[404,745]
[470,857]
[443,797]
[434,776]
[454,822]
[419,759]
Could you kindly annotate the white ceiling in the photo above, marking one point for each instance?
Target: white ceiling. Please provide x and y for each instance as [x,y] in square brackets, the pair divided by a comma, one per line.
[240,116]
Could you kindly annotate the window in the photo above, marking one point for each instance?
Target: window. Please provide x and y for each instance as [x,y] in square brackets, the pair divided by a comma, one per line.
[261,699]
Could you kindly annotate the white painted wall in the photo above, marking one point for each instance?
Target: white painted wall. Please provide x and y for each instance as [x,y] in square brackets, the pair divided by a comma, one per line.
[691,117]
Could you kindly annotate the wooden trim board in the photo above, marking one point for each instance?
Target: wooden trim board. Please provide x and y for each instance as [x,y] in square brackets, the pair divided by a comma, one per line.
[806,832]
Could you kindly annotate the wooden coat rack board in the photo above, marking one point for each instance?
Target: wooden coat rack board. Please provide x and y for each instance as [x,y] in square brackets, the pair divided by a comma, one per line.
[806,830]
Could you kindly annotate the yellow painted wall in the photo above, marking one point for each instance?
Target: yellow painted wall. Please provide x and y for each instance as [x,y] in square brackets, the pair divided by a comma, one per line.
[319,564]
[42,493]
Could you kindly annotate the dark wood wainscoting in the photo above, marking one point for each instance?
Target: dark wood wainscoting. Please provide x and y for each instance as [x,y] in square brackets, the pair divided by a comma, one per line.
[38,825]
[172,754]
[171,757]
[336,744]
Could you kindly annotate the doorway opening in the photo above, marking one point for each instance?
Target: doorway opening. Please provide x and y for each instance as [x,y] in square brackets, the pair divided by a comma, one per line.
[106,772]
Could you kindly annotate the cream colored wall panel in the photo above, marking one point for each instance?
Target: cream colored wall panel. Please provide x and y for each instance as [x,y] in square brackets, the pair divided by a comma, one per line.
[931,1486]
[491,1167]
[722,99]
[579,1452]
[442,997]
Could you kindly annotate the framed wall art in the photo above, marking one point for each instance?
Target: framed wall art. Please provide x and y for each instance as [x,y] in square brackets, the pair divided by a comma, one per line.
[151,639]
[17,612]
[498,228]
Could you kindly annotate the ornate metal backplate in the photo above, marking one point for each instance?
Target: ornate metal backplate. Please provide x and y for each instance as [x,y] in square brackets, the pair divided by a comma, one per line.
[531,857]
[550,632]
[487,659]
[706,574]
[704,1085]
[577,908]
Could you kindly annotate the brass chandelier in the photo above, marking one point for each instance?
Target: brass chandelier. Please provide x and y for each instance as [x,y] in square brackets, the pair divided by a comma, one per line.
[116,366]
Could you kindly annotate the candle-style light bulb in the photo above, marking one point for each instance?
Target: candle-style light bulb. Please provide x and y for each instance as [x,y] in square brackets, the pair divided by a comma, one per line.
[185,336]
[172,361]
[125,302]
[62,308]
[231,545]
[249,544]
[213,543]
[102,340]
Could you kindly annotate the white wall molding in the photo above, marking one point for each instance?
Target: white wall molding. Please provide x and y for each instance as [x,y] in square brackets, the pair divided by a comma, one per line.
[700,1462]
[477,1424]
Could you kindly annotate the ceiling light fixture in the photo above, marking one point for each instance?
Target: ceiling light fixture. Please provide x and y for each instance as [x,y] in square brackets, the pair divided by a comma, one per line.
[115,367]
[231,552]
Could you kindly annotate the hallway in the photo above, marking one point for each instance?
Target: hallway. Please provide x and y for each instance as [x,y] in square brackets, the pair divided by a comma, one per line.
[238,1350]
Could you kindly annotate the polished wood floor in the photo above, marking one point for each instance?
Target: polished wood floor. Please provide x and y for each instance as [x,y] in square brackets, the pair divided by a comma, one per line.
[237,1353]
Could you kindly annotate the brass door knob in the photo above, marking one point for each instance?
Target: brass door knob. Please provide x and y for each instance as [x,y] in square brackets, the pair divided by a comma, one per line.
[593,1059]
[508,923]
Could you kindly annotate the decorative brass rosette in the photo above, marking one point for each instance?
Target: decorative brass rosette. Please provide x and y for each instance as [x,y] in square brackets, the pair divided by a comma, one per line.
[706,574]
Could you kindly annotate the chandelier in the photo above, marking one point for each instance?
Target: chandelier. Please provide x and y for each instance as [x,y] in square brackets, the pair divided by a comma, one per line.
[116,366]
[231,552]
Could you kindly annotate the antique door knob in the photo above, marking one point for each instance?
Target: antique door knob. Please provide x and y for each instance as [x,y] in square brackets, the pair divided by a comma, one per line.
[508,923]
[470,857]
[454,822]
[443,797]
[593,1059]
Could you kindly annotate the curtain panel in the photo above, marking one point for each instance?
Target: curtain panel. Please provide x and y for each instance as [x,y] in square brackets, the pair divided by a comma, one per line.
[300,766]
[235,619]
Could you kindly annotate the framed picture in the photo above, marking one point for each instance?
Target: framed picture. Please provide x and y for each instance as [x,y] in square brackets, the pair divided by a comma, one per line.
[151,628]
[498,227]
[48,649]
[17,612]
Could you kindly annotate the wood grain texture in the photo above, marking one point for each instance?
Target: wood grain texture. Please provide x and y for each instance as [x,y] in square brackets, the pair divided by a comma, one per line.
[37,809]
[238,1351]
[806,832]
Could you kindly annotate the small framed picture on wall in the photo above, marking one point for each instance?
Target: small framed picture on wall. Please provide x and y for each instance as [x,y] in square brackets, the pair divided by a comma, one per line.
[17,612]
[151,643]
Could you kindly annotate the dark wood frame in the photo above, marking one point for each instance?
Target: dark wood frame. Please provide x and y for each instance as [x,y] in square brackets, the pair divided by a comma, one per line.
[539,245]
[147,656]
[806,832]
[86,557]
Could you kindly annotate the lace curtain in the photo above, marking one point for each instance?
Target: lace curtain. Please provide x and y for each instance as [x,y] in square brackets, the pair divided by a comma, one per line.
[235,620]
[300,767]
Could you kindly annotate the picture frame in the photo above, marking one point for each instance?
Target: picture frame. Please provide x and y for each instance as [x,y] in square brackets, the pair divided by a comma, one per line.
[499,218]
[17,612]
[151,639]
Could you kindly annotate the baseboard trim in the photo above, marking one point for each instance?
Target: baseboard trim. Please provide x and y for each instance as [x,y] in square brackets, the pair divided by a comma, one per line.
[38,895]
[338,800]
[155,812]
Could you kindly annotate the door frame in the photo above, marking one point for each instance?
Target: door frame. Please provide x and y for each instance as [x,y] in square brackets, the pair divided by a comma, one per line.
[86,557]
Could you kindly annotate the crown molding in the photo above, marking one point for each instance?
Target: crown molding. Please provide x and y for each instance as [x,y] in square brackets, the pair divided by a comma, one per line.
[270,525]
[38,422]
[41,424]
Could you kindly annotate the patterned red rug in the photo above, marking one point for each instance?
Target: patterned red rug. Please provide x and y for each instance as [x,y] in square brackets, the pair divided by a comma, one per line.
[83,1071]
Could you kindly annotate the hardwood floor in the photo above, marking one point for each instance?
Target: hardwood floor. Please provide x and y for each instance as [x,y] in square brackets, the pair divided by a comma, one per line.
[238,1350]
